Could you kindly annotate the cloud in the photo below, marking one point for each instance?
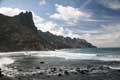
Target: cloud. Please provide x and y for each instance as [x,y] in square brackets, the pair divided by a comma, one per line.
[10,11]
[106,36]
[114,4]
[68,13]
[42,2]
[52,27]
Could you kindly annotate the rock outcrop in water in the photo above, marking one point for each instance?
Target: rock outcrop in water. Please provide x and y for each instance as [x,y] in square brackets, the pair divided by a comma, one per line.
[19,33]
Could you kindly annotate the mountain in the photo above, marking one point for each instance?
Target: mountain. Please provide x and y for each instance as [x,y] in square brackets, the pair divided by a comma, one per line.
[59,42]
[19,33]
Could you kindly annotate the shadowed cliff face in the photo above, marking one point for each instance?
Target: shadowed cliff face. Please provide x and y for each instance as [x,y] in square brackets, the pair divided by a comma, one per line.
[19,33]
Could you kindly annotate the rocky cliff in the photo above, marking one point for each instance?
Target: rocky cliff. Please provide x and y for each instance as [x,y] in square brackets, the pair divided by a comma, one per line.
[19,33]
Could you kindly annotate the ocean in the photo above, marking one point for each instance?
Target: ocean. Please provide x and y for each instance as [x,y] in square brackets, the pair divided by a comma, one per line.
[10,62]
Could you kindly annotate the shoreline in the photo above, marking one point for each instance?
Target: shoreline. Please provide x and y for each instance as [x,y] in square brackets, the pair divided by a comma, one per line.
[59,65]
[57,72]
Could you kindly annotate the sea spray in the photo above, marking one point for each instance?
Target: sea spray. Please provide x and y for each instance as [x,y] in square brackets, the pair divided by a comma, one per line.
[3,65]
[5,61]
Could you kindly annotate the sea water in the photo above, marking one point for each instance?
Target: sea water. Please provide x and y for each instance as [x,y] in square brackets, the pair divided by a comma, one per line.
[103,54]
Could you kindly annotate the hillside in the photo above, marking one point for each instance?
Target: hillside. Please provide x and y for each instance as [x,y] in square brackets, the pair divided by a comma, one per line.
[19,33]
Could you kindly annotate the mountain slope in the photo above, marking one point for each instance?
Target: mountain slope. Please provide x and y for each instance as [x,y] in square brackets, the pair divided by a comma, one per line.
[19,33]
[59,42]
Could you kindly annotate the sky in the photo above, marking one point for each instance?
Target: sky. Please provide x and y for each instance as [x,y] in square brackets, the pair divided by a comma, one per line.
[97,21]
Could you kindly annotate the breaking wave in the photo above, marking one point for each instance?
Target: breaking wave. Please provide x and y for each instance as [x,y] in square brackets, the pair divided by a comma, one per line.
[79,56]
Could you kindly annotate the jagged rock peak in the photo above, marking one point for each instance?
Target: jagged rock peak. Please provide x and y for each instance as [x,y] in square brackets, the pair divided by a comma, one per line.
[27,13]
[26,18]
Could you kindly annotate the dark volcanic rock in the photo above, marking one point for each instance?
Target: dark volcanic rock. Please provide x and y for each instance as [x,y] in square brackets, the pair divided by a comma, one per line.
[66,72]
[2,77]
[59,75]
[42,62]
[1,72]
[37,67]
[19,33]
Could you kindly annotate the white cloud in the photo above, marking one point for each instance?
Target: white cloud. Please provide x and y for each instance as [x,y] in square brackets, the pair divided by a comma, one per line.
[45,25]
[107,36]
[52,27]
[10,11]
[114,4]
[42,2]
[68,13]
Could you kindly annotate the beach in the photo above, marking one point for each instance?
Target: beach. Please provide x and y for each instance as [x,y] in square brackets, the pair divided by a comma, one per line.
[45,71]
[45,65]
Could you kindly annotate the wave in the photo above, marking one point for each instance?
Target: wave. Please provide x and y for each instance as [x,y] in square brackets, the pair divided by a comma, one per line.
[78,56]
[5,61]
[66,55]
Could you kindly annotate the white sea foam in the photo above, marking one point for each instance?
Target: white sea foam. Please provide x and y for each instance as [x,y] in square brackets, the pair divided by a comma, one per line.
[3,65]
[5,61]
[80,56]
[66,55]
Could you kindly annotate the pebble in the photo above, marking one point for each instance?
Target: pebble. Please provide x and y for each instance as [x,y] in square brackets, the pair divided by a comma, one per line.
[42,62]
[66,72]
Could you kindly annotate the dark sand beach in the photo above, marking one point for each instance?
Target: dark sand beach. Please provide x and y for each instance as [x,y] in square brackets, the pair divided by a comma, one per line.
[34,67]
[58,72]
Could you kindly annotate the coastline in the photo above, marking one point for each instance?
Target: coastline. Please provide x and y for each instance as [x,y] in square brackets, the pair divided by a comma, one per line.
[59,65]
[62,72]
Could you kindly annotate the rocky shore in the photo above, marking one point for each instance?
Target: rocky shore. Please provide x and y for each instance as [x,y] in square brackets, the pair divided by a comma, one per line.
[3,77]
[56,72]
